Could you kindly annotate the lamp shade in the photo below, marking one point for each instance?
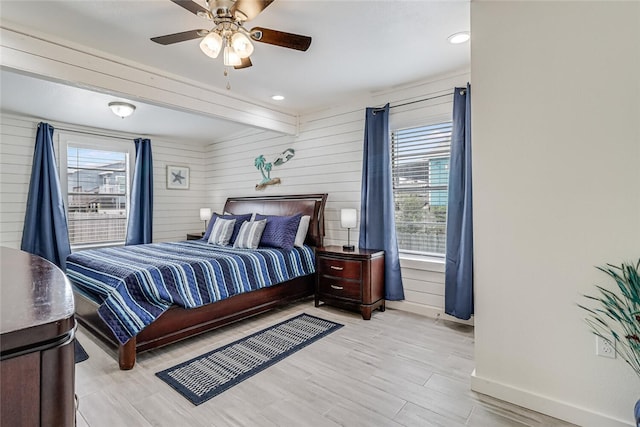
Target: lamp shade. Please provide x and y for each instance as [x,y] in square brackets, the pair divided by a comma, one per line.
[348,218]
[231,58]
[211,45]
[205,214]
[242,45]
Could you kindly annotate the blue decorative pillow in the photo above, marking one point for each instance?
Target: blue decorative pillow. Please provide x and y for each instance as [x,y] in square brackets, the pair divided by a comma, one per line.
[236,228]
[250,234]
[280,231]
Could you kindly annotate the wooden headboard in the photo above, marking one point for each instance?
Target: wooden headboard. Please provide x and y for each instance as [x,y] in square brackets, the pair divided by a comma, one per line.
[306,204]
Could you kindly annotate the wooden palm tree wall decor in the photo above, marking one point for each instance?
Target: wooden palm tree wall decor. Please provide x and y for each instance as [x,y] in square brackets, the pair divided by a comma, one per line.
[265,167]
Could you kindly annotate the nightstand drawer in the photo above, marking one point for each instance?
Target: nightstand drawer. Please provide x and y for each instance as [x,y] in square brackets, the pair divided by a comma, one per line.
[339,268]
[340,288]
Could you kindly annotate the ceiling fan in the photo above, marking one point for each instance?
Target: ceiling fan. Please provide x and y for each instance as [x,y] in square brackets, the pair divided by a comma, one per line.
[229,35]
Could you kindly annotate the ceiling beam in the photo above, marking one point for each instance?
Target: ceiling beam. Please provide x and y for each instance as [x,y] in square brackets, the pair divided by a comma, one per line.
[87,68]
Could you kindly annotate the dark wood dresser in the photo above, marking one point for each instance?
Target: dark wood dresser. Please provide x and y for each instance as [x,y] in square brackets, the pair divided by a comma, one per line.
[350,279]
[37,326]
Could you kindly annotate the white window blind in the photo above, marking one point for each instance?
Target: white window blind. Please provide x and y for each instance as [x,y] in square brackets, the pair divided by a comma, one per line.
[97,194]
[420,172]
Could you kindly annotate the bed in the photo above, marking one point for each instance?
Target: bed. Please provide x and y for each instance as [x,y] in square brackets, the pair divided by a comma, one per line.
[178,323]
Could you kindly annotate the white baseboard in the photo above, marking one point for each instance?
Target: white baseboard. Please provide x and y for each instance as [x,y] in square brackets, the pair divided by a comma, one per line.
[543,404]
[425,310]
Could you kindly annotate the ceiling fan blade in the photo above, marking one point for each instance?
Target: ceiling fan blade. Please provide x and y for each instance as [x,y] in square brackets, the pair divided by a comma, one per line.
[246,10]
[180,37]
[280,38]
[192,7]
[246,63]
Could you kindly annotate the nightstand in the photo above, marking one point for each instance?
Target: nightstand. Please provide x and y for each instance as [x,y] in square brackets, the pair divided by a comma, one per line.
[195,236]
[350,279]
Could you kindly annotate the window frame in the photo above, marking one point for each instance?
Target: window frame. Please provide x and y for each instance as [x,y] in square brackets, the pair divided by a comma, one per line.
[435,119]
[96,143]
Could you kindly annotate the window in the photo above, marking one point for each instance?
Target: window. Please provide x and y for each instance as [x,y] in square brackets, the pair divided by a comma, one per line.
[97,190]
[420,173]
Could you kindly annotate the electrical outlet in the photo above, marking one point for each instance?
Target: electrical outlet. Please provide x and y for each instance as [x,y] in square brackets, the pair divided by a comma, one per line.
[604,348]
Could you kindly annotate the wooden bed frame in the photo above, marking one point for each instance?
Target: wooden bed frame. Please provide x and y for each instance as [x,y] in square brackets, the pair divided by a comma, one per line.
[178,323]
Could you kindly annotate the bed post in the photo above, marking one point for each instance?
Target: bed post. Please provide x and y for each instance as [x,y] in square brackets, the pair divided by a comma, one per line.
[127,354]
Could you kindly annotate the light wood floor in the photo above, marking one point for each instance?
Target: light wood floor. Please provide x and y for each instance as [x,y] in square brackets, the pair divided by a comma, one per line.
[398,369]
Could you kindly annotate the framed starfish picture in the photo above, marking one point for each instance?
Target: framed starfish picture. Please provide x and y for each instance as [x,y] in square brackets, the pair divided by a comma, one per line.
[178,177]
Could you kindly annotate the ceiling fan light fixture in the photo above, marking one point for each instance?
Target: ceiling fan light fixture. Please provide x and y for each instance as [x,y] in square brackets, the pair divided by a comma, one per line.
[228,33]
[122,109]
[242,45]
[211,44]
[231,58]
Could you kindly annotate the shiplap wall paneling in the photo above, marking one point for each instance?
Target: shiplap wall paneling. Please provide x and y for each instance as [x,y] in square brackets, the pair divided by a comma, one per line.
[425,102]
[422,286]
[328,159]
[176,212]
[16,155]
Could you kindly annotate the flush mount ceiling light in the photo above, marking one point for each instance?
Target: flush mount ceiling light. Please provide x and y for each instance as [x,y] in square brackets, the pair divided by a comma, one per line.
[277,97]
[460,37]
[122,109]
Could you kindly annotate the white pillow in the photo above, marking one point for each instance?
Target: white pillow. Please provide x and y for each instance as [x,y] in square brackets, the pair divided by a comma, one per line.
[250,234]
[221,232]
[303,227]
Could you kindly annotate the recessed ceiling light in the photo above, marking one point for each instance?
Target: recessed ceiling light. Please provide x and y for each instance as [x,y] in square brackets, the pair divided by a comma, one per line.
[458,38]
[277,97]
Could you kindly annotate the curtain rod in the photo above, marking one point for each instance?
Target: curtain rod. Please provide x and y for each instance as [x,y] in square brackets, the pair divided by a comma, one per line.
[93,133]
[421,100]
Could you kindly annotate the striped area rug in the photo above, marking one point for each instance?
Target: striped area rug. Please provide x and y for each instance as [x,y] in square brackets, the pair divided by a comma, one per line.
[206,376]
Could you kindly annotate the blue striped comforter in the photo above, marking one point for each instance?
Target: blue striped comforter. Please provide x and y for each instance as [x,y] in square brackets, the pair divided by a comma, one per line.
[136,284]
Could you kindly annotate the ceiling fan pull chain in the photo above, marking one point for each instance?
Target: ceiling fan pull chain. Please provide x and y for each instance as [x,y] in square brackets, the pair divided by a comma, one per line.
[226,74]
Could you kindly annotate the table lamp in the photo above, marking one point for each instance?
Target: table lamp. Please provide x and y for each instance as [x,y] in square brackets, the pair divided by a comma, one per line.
[205,215]
[348,220]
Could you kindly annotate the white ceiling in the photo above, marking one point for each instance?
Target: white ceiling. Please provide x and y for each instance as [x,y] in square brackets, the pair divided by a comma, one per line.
[57,102]
[358,47]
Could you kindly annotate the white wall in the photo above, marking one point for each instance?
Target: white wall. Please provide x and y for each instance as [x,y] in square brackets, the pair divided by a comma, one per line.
[556,155]
[176,212]
[329,159]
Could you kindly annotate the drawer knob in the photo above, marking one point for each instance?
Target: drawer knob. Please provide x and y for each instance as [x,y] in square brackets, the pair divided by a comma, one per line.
[337,287]
[335,267]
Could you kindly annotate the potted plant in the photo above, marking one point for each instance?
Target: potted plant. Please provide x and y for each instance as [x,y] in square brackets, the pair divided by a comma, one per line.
[616,316]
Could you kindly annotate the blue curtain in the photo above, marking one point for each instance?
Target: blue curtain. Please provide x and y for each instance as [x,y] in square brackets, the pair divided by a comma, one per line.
[377,220]
[45,231]
[140,224]
[458,294]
